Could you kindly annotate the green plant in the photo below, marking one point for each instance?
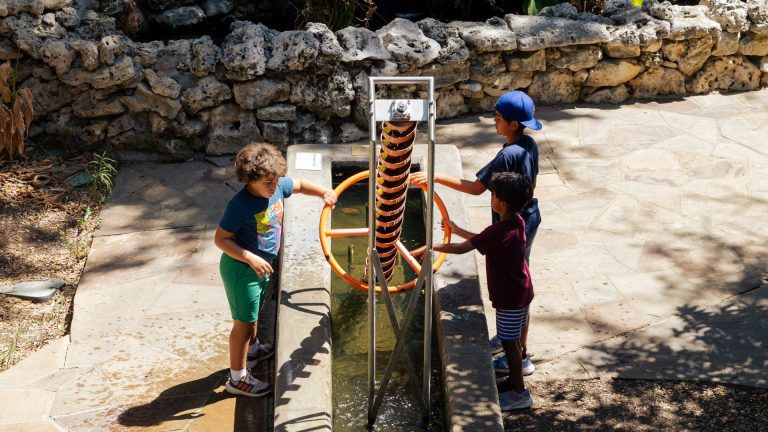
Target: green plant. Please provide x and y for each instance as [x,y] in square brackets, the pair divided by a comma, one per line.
[9,354]
[16,113]
[103,168]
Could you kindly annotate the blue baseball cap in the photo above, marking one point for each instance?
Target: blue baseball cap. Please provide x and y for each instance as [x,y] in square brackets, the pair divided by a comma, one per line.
[518,106]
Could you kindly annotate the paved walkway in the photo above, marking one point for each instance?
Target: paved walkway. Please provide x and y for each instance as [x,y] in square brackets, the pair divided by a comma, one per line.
[650,263]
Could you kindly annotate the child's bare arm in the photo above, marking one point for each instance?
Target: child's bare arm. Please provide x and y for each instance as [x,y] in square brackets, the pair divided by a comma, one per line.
[455,229]
[469,187]
[225,241]
[309,188]
[451,248]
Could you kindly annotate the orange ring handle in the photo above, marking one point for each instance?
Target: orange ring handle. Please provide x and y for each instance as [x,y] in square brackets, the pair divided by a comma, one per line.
[325,244]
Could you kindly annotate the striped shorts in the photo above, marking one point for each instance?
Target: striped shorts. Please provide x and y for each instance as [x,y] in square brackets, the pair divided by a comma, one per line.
[510,323]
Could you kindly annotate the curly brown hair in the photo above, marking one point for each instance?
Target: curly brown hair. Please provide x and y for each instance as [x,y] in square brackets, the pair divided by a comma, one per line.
[257,160]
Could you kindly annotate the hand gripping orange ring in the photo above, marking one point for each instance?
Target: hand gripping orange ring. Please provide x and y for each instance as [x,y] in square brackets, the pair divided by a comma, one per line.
[326,234]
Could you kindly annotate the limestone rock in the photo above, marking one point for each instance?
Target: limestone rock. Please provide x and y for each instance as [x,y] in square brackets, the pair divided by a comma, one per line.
[54,5]
[523,61]
[57,54]
[635,27]
[89,53]
[574,57]
[450,103]
[77,78]
[191,127]
[209,92]
[245,51]
[764,64]
[491,36]
[658,81]
[87,105]
[113,46]
[407,44]
[537,32]
[385,68]
[486,67]
[121,73]
[303,122]
[360,44]
[121,124]
[611,95]
[652,47]
[47,97]
[27,33]
[8,50]
[472,89]
[329,50]
[205,55]
[183,16]
[726,44]
[143,100]
[231,128]
[279,112]
[623,51]
[163,86]
[686,22]
[507,82]
[734,73]
[148,53]
[562,10]
[175,56]
[446,74]
[553,87]
[275,132]
[260,92]
[68,17]
[13,7]
[325,96]
[690,55]
[609,73]
[758,14]
[730,14]
[453,49]
[293,51]
[349,132]
[754,45]
[217,7]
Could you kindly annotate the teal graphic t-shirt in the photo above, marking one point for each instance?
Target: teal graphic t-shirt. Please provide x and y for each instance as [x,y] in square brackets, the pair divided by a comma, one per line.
[256,221]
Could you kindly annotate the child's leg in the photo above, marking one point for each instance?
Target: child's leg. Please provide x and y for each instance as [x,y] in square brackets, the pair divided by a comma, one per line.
[513,351]
[239,340]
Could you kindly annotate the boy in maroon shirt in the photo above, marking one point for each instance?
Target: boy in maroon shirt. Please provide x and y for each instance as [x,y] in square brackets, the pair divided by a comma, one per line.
[509,280]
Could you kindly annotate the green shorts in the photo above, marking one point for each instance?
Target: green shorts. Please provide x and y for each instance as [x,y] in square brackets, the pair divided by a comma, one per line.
[246,291]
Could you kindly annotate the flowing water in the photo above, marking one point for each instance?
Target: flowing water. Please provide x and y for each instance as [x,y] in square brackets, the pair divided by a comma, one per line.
[400,410]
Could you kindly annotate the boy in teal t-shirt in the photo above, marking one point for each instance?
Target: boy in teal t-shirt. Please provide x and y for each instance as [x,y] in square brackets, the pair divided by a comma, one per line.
[249,235]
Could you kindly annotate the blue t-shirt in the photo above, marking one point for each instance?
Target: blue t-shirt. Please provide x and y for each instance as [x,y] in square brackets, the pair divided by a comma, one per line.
[521,157]
[257,222]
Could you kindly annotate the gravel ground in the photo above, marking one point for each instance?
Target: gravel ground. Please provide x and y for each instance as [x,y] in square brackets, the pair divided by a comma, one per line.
[641,405]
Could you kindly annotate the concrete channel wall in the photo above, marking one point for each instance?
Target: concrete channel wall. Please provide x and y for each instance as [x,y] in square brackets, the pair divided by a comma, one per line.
[303,386]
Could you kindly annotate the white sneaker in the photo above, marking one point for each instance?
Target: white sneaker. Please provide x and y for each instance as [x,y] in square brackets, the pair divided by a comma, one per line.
[528,366]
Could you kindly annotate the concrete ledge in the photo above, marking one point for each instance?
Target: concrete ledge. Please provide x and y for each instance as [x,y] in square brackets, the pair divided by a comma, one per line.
[303,362]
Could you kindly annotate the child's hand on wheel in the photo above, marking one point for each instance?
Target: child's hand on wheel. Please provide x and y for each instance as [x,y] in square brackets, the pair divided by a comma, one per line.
[330,198]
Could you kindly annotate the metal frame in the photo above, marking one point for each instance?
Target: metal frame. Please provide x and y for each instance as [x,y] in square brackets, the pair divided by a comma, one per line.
[375,270]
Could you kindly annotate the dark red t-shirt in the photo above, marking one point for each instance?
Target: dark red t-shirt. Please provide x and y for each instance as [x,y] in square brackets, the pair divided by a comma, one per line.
[509,280]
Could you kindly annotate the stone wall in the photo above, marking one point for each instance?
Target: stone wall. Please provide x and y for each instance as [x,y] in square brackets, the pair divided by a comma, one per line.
[95,87]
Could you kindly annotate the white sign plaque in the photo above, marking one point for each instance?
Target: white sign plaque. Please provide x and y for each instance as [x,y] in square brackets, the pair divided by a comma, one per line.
[309,161]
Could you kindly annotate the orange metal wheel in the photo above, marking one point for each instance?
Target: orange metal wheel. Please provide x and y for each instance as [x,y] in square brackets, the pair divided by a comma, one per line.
[326,234]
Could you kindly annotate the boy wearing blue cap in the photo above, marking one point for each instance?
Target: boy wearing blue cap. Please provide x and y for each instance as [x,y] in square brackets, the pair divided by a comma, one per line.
[514,113]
